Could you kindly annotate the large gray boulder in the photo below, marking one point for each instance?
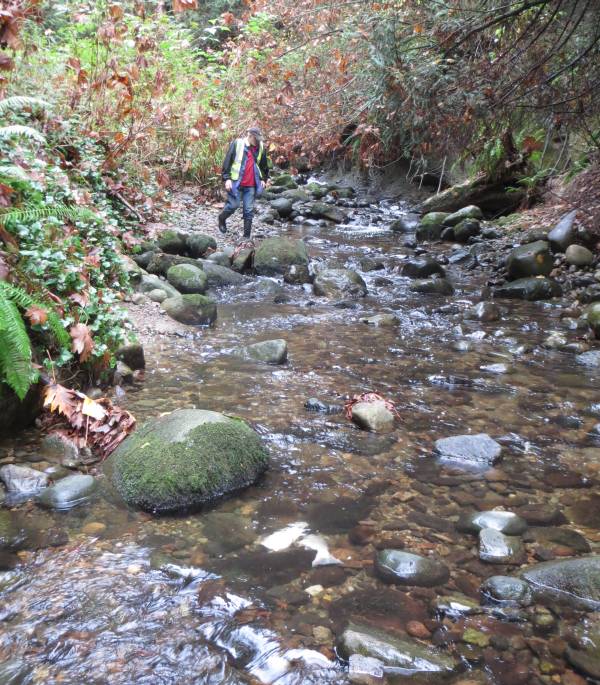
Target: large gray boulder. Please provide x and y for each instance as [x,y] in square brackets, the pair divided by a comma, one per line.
[406,657]
[431,226]
[160,263]
[339,283]
[274,256]
[564,233]
[198,244]
[194,310]
[320,210]
[68,492]
[187,279]
[575,582]
[404,568]
[432,286]
[268,351]
[283,206]
[469,212]
[218,276]
[148,283]
[184,460]
[533,259]
[531,289]
[172,241]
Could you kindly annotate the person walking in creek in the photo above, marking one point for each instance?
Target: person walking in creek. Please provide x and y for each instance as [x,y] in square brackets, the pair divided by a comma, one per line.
[245,172]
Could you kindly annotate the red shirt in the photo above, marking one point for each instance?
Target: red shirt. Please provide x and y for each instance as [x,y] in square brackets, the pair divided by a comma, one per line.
[248,179]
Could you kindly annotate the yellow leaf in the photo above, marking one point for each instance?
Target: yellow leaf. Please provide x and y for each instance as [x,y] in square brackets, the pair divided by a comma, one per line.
[92,408]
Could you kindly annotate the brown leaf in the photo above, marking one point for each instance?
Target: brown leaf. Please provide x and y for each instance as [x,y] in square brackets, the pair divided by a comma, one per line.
[37,316]
[79,298]
[6,62]
[184,5]
[83,344]
[60,400]
[92,408]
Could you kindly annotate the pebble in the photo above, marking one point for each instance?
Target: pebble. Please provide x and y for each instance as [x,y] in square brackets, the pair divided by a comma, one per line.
[94,528]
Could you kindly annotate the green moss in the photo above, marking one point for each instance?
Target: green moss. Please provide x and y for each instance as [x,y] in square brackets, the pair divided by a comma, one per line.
[211,459]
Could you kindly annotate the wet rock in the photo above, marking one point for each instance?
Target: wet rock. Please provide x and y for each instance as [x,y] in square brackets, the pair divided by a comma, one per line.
[13,534]
[585,511]
[268,351]
[592,316]
[564,537]
[132,355]
[316,405]
[22,480]
[373,416]
[339,283]
[271,568]
[297,274]
[590,359]
[401,226]
[61,449]
[68,492]
[320,210]
[187,279]
[533,259]
[542,515]
[184,460]
[199,244]
[463,257]
[490,233]
[218,275]
[469,212]
[574,582]
[577,255]
[15,672]
[447,234]
[456,605]
[483,311]
[242,259]
[283,206]
[150,282]
[564,233]
[194,310]
[507,590]
[370,264]
[404,568]
[172,242]
[379,320]
[123,374]
[422,267]
[296,195]
[531,289]
[364,670]
[274,256]
[503,521]
[409,657]
[584,653]
[432,286]
[227,532]
[477,450]
[221,257]
[465,229]
[497,548]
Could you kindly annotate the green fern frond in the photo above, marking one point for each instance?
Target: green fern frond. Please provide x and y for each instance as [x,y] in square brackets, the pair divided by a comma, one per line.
[17,130]
[24,300]
[12,172]
[20,102]
[16,364]
[58,210]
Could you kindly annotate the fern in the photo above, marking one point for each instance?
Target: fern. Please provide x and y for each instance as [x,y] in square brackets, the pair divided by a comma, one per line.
[20,102]
[58,210]
[16,365]
[17,130]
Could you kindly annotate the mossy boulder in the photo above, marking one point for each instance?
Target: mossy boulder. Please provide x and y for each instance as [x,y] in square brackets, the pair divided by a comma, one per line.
[160,263]
[317,190]
[187,279]
[274,256]
[283,180]
[194,310]
[185,460]
[431,225]
[171,241]
[198,244]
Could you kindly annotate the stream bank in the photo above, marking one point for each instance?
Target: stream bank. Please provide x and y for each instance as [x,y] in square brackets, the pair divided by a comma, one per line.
[272,584]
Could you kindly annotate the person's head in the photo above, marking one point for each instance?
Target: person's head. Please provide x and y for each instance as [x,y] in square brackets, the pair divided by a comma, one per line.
[254,135]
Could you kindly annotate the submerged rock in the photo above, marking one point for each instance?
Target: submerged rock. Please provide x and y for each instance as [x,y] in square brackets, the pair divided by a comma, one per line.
[405,568]
[339,283]
[506,590]
[483,311]
[504,521]
[432,286]
[373,416]
[194,310]
[575,582]
[274,256]
[477,450]
[68,492]
[364,670]
[584,650]
[497,548]
[409,657]
[22,480]
[268,351]
[590,359]
[186,459]
[531,289]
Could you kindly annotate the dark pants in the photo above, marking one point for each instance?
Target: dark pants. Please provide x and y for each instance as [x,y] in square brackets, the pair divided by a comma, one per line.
[245,195]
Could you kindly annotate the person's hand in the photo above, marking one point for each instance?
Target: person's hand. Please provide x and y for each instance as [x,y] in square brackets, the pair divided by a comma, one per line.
[263,184]
[228,185]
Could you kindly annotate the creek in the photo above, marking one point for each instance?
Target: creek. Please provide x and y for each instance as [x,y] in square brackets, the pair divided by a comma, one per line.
[199,599]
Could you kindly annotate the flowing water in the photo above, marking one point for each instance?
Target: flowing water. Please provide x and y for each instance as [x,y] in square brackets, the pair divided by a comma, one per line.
[200,599]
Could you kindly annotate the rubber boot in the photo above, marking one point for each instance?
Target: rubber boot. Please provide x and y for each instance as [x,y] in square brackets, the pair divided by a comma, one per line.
[222,225]
[247,227]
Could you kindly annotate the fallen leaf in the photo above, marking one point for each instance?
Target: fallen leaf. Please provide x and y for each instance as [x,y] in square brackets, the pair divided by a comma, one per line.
[92,408]
[37,316]
[83,344]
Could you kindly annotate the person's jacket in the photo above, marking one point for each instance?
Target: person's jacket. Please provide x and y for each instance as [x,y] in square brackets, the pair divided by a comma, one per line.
[230,158]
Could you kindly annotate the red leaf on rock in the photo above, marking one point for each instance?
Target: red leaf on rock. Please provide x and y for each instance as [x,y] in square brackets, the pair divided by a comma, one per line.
[83,344]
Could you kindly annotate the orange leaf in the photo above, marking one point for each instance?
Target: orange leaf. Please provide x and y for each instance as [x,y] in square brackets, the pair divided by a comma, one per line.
[61,400]
[83,344]
[37,316]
